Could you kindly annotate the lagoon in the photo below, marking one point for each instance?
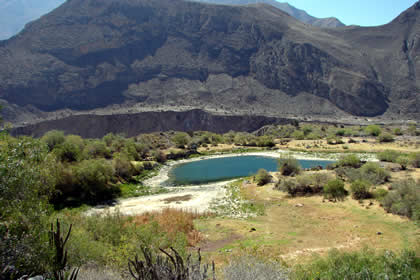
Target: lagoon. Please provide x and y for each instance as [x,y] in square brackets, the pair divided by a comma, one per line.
[226,168]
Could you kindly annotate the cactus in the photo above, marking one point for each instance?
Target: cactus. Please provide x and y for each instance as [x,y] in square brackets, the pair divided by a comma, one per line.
[168,267]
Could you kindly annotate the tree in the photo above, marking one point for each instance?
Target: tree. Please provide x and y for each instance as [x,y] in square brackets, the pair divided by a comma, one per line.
[26,183]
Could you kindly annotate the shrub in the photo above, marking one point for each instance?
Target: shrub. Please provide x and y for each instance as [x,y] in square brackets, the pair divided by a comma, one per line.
[159,156]
[360,190]
[386,138]
[350,161]
[415,160]
[181,139]
[304,184]
[289,166]
[53,138]
[397,131]
[250,268]
[334,140]
[93,177]
[365,264]
[262,177]
[26,182]
[123,167]
[388,155]
[404,161]
[334,189]
[68,152]
[404,199]
[298,135]
[379,194]
[97,149]
[373,130]
[374,173]
[265,141]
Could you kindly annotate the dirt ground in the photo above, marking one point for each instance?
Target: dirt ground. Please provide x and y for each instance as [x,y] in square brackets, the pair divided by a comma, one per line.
[293,229]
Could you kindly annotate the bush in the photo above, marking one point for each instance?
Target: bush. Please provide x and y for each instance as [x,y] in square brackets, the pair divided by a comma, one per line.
[404,199]
[373,130]
[68,152]
[289,166]
[304,184]
[335,190]
[360,190]
[404,161]
[97,149]
[350,161]
[365,264]
[26,182]
[53,138]
[386,138]
[181,139]
[123,167]
[379,194]
[388,155]
[374,173]
[262,177]
[298,135]
[250,268]
[415,160]
[86,182]
[397,131]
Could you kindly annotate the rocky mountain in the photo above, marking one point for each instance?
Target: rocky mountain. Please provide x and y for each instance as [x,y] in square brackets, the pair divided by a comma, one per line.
[14,14]
[126,56]
[301,15]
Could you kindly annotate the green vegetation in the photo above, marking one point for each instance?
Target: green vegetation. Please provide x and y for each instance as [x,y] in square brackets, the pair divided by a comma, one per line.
[366,264]
[305,184]
[335,190]
[388,155]
[289,166]
[373,130]
[386,138]
[262,177]
[360,189]
[404,199]
[349,161]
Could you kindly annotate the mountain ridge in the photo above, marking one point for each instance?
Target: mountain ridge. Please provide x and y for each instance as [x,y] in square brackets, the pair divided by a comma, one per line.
[330,22]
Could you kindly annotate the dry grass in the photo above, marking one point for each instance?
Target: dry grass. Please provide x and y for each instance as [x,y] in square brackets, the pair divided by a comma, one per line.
[372,145]
[173,221]
[294,233]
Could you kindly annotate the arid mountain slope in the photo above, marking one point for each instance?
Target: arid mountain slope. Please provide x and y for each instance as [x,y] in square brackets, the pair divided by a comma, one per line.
[301,15]
[89,54]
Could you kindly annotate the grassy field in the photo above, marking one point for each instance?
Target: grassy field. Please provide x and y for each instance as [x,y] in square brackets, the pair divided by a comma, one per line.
[293,229]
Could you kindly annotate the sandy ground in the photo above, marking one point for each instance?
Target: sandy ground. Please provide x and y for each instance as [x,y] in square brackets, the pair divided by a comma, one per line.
[199,198]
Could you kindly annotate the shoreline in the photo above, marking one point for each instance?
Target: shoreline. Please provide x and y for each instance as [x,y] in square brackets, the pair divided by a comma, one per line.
[200,197]
[163,175]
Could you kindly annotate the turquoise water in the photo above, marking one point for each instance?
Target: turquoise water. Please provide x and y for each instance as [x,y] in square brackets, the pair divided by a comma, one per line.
[220,169]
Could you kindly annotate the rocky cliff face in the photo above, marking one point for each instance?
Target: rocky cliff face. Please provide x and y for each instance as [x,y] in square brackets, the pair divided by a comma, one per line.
[90,54]
[94,126]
